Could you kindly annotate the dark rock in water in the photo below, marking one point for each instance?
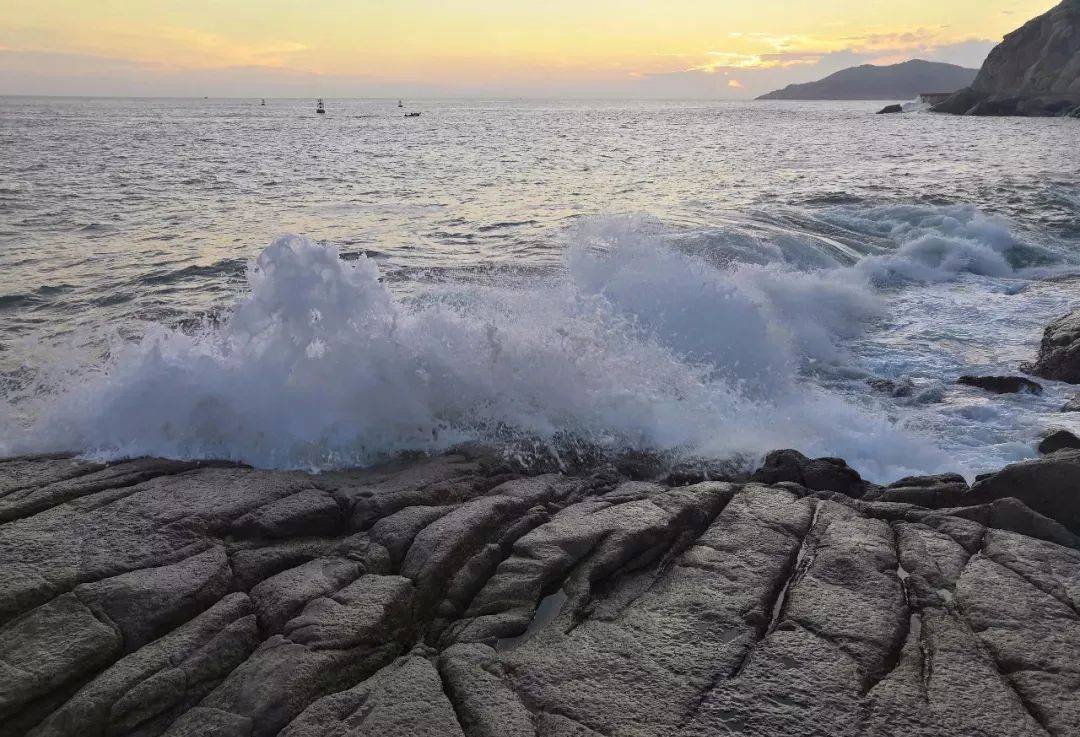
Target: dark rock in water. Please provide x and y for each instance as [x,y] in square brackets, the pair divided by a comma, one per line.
[900,388]
[698,470]
[1056,440]
[1059,352]
[1002,384]
[820,474]
[441,597]
[639,465]
[781,465]
[1035,71]
[1049,485]
[888,109]
[934,492]
[832,474]
[1073,405]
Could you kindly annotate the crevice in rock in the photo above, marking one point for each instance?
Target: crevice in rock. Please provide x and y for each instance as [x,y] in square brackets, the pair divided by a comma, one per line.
[30,715]
[912,632]
[674,549]
[135,478]
[504,547]
[1036,585]
[464,724]
[988,655]
[797,568]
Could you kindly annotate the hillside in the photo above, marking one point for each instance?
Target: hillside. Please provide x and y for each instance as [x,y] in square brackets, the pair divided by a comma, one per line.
[869,82]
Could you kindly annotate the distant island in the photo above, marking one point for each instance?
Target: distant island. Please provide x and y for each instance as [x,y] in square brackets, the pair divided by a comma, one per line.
[904,81]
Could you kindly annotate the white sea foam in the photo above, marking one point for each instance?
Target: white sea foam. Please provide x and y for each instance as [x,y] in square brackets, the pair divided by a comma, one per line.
[936,244]
[632,345]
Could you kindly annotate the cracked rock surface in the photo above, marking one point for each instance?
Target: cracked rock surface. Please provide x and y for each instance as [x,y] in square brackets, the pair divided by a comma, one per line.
[451,596]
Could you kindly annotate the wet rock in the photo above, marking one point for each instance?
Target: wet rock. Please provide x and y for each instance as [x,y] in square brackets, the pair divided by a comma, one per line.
[832,474]
[50,646]
[781,465]
[403,699]
[1056,440]
[1002,384]
[699,470]
[146,603]
[160,681]
[1073,405]
[899,388]
[933,492]
[280,597]
[1050,486]
[819,474]
[309,512]
[891,109]
[430,597]
[1059,352]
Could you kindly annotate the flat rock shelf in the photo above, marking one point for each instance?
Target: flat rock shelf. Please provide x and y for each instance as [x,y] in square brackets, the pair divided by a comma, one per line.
[153,597]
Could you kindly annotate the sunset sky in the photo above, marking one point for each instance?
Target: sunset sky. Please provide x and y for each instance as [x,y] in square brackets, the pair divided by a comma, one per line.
[607,48]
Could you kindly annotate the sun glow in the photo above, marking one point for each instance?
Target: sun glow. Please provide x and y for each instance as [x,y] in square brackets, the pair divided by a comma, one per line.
[476,45]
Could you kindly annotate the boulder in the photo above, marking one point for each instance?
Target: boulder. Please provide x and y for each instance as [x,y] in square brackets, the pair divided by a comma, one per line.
[1002,384]
[889,109]
[1073,405]
[1049,485]
[900,388]
[781,465]
[1059,352]
[819,474]
[1056,440]
[933,492]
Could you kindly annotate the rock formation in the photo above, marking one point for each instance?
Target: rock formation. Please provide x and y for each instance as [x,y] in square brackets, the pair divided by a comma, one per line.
[1034,71]
[1059,353]
[1058,439]
[1002,384]
[459,596]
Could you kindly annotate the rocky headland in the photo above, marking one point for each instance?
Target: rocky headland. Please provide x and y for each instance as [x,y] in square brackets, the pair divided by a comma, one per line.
[465,595]
[903,81]
[1035,71]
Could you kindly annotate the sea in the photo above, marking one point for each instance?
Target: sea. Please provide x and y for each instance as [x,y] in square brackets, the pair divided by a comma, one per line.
[227,279]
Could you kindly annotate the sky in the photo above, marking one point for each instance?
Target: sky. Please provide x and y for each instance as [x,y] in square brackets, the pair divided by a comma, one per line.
[712,49]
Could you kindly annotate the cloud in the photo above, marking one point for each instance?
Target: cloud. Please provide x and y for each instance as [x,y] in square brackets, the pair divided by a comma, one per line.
[780,68]
[735,84]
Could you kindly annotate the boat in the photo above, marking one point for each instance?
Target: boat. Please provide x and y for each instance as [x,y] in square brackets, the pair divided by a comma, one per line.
[400,103]
[412,115]
[264,102]
[320,108]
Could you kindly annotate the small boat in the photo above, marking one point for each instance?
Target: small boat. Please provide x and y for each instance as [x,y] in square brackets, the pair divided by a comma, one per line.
[320,108]
[400,103]
[264,102]
[412,115]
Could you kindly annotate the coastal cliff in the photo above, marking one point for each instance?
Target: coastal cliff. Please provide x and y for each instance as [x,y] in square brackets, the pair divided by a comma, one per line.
[1035,71]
